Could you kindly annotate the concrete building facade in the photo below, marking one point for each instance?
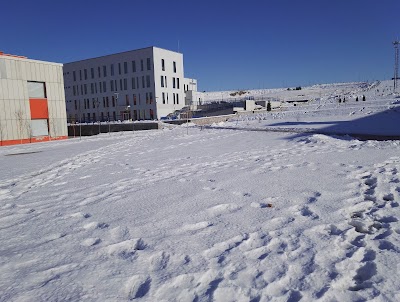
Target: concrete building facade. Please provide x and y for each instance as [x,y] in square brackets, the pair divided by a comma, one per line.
[143,84]
[32,102]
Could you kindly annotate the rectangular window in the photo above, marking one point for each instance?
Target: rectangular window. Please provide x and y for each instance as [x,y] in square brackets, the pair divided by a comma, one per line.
[100,87]
[165,78]
[104,87]
[137,82]
[92,72]
[120,85]
[127,100]
[74,75]
[112,85]
[177,83]
[76,105]
[73,90]
[177,98]
[162,81]
[151,97]
[107,103]
[125,67]
[173,82]
[99,71]
[119,68]
[39,127]
[104,71]
[162,64]
[125,84]
[91,88]
[147,81]
[133,83]
[147,97]
[85,88]
[81,89]
[173,97]
[141,65]
[134,99]
[85,73]
[163,98]
[95,87]
[148,64]
[112,69]
[114,116]
[115,85]
[174,66]
[133,66]
[143,84]
[104,101]
[80,75]
[113,101]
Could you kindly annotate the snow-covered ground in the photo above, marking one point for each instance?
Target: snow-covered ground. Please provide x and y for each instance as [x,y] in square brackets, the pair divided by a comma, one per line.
[206,214]
[325,92]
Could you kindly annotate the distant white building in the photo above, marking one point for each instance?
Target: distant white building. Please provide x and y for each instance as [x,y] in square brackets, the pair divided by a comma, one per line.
[143,84]
[32,103]
[192,96]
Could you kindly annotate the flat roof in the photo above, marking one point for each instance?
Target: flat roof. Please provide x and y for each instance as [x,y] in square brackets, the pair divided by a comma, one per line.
[23,58]
[118,53]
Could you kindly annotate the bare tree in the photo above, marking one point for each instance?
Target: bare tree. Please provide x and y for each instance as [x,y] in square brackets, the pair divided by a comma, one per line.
[28,128]
[19,115]
[54,127]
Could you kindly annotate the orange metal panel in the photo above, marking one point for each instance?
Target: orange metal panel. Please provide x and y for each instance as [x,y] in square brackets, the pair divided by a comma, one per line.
[39,108]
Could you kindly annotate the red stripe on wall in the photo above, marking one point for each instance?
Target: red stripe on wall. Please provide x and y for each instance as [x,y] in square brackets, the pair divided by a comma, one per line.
[32,140]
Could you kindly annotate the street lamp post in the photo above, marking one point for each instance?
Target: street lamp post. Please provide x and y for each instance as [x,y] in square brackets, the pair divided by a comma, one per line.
[116,101]
[80,121]
[98,114]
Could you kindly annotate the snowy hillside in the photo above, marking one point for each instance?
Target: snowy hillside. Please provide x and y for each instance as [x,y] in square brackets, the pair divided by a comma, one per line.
[374,90]
[221,213]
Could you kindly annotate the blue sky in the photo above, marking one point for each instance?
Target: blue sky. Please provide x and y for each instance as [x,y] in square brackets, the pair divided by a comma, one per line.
[226,44]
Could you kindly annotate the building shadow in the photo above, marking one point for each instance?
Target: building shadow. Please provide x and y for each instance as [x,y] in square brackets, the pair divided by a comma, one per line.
[384,125]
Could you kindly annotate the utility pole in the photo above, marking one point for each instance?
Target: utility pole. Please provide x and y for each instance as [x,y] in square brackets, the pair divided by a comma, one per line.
[396,64]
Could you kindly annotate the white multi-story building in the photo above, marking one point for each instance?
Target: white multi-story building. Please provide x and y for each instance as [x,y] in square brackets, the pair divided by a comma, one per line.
[143,84]
[32,102]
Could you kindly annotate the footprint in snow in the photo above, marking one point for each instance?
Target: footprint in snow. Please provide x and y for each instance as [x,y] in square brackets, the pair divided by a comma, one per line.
[223,209]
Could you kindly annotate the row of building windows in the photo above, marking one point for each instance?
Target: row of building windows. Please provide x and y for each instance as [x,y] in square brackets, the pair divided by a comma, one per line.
[123,85]
[165,99]
[115,85]
[123,68]
[175,82]
[113,101]
[102,70]
[163,65]
[112,116]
